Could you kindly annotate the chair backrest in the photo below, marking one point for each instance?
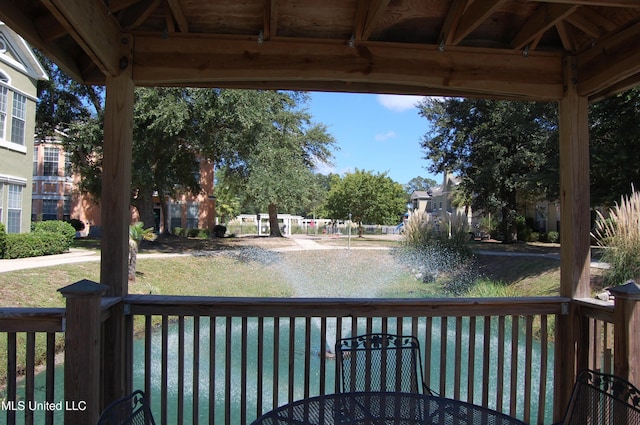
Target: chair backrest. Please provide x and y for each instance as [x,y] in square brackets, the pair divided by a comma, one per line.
[130,410]
[599,398]
[380,362]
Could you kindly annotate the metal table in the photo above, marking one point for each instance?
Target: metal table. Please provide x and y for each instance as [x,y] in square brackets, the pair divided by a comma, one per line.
[383,409]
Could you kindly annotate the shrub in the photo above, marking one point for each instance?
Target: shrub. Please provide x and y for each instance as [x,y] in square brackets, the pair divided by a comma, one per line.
[203,234]
[553,236]
[178,231]
[35,244]
[534,237]
[62,228]
[3,240]
[77,224]
[192,233]
[219,231]
[620,233]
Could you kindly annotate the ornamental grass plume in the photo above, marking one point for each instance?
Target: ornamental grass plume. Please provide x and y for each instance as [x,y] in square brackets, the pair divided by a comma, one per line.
[619,233]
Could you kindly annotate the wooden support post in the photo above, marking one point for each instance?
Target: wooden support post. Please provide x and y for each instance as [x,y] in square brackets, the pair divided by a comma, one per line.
[626,350]
[575,254]
[116,217]
[82,352]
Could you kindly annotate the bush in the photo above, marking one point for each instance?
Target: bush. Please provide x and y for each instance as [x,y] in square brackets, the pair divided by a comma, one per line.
[62,228]
[203,234]
[620,233]
[77,224]
[219,231]
[192,233]
[35,244]
[534,237]
[178,231]
[553,236]
[3,240]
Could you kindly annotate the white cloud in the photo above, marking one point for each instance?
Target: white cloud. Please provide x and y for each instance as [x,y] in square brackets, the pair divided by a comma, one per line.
[398,103]
[381,137]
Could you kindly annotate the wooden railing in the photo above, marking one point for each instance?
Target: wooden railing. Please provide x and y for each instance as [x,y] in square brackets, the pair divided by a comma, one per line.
[597,328]
[31,345]
[229,360]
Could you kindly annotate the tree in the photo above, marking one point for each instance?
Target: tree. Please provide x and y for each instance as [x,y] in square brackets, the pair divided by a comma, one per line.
[62,101]
[366,198]
[614,126]
[498,148]
[285,147]
[165,148]
[419,184]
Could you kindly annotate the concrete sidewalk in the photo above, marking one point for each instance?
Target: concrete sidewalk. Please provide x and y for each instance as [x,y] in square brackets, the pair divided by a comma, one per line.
[73,256]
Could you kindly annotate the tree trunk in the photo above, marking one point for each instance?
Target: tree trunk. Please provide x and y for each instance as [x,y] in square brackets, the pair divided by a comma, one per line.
[274,228]
[165,219]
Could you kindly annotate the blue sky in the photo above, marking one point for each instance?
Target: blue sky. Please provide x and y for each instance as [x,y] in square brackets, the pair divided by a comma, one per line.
[374,133]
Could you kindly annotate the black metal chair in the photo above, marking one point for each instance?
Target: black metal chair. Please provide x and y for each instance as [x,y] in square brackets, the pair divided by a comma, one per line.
[598,398]
[380,362]
[130,410]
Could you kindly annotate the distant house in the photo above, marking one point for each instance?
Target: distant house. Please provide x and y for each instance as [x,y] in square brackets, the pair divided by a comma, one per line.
[19,74]
[437,201]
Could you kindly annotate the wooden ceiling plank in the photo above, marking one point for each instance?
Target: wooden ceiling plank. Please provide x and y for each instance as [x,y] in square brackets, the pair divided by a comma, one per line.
[178,14]
[605,3]
[135,16]
[270,20]
[91,26]
[18,21]
[581,22]
[49,28]
[451,21]
[188,61]
[117,5]
[545,17]
[610,61]
[476,14]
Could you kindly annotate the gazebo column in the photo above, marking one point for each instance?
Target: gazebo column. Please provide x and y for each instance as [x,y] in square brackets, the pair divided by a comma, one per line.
[116,217]
[575,254]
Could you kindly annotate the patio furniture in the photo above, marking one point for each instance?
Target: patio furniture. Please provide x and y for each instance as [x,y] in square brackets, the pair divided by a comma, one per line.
[380,362]
[130,410]
[383,408]
[599,398]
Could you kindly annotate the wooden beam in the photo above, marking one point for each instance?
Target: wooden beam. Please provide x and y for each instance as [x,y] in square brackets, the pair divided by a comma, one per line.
[116,182]
[476,14]
[191,60]
[451,22]
[586,25]
[270,20]
[574,189]
[178,14]
[18,21]
[567,37]
[610,62]
[575,254]
[135,16]
[545,17]
[367,15]
[93,28]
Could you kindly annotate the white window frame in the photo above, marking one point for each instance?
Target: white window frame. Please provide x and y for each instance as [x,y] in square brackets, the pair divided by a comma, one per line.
[14,205]
[51,161]
[19,119]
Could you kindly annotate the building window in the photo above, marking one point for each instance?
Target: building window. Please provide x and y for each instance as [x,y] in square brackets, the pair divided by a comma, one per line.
[14,209]
[35,160]
[66,210]
[176,215]
[3,111]
[18,119]
[49,209]
[51,161]
[192,215]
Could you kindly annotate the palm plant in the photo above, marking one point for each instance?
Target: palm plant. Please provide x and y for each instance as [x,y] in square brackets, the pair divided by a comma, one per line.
[137,233]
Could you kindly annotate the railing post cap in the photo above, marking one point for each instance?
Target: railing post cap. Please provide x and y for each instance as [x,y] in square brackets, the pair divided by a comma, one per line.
[84,288]
[629,290]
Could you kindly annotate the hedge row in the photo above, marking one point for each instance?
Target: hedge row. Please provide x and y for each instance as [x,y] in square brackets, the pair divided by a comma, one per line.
[46,238]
